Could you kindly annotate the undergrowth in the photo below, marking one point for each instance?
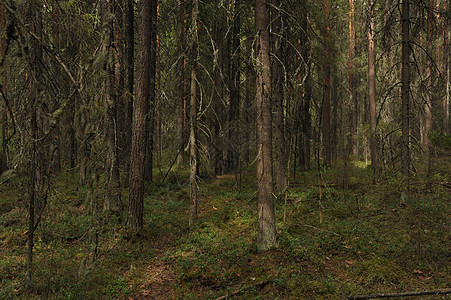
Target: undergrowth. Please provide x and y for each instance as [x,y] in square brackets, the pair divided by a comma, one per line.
[368,241]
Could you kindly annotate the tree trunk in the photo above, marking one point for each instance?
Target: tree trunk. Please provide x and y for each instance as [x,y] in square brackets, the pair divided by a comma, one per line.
[129,76]
[112,199]
[218,101]
[372,86]
[405,90]
[352,145]
[305,95]
[158,120]
[35,55]
[234,86]
[429,50]
[266,225]
[278,96]
[193,116]
[445,102]
[151,124]
[4,109]
[437,45]
[327,89]
[141,109]
[118,88]
[182,105]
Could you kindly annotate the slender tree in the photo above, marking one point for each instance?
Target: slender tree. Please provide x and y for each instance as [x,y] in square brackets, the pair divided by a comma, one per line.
[372,86]
[35,61]
[445,102]
[234,87]
[158,116]
[194,51]
[325,119]
[144,76]
[429,49]
[182,105]
[118,88]
[266,226]
[4,111]
[280,146]
[352,88]
[305,94]
[151,121]
[129,56]
[218,101]
[112,199]
[405,98]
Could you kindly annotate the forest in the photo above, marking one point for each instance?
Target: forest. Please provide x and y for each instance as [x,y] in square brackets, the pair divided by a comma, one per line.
[219,149]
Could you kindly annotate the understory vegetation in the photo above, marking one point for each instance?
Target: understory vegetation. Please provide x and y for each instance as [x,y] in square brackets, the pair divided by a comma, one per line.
[368,241]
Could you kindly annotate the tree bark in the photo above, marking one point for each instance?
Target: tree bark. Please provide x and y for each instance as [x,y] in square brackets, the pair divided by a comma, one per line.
[325,120]
[266,226]
[112,199]
[305,95]
[218,101]
[234,87]
[158,119]
[437,45]
[182,105]
[446,62]
[4,109]
[193,115]
[372,86]
[129,75]
[405,97]
[35,56]
[429,49]
[280,146]
[141,109]
[118,90]
[151,124]
[351,140]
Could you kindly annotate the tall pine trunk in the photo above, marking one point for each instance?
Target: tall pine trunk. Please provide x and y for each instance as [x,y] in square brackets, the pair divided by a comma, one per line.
[266,221]
[194,57]
[141,109]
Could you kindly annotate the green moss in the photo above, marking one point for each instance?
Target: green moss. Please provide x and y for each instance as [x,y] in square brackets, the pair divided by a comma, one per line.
[377,271]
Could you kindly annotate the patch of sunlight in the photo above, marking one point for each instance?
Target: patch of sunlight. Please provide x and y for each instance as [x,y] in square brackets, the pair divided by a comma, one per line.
[361,164]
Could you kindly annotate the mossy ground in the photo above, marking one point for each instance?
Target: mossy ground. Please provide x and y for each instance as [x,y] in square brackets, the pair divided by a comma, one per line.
[368,241]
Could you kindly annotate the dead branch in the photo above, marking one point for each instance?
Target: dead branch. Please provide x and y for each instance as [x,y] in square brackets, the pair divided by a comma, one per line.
[405,294]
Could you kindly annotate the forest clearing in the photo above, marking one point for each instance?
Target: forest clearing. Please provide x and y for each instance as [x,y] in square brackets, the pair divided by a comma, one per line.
[247,149]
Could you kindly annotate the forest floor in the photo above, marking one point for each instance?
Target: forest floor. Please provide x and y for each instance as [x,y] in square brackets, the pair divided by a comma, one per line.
[368,242]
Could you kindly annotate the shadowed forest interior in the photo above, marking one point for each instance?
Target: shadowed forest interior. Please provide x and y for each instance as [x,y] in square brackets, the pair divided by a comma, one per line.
[215,149]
